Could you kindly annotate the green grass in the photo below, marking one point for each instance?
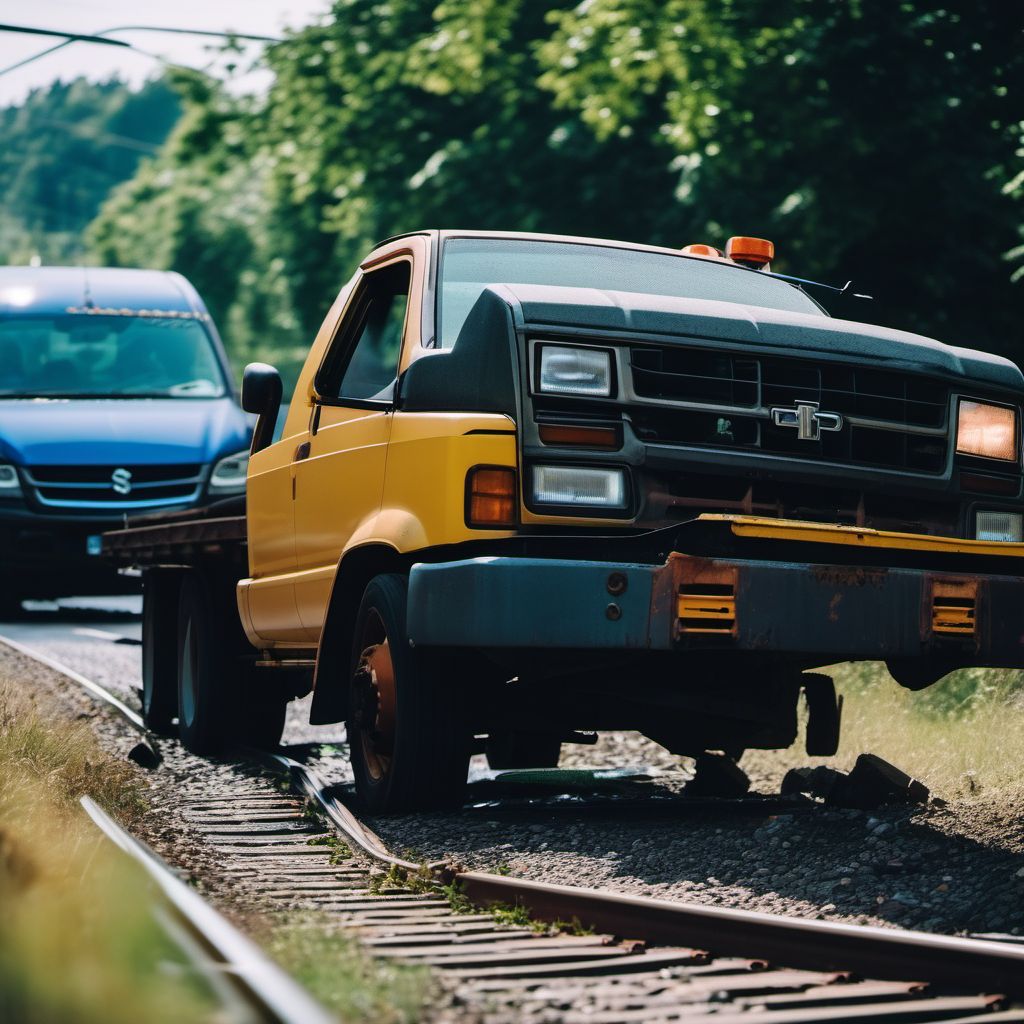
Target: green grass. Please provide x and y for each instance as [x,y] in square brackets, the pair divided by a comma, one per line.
[343,976]
[340,850]
[78,941]
[961,736]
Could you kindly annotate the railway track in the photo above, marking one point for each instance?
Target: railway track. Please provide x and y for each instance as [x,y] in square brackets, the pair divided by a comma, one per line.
[624,959]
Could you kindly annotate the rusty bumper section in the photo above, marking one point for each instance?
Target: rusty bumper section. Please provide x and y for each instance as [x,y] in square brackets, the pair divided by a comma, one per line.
[842,611]
[832,612]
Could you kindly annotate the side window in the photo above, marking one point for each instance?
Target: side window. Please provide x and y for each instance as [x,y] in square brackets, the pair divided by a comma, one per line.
[363,359]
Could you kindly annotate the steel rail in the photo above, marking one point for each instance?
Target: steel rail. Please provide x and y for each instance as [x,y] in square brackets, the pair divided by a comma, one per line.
[951,961]
[884,953]
[133,718]
[260,981]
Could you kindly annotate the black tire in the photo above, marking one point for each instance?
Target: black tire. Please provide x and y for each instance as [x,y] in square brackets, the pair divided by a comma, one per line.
[10,605]
[160,651]
[824,715]
[206,673]
[523,750]
[408,741]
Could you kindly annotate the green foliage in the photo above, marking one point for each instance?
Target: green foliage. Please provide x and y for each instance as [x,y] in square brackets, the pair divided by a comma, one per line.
[340,850]
[877,142]
[78,938]
[63,150]
[344,976]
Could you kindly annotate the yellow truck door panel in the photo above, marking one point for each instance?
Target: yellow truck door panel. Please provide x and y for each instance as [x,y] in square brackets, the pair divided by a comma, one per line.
[270,510]
[337,487]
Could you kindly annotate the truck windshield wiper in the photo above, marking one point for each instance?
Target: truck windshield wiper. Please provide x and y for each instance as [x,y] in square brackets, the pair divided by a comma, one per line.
[818,284]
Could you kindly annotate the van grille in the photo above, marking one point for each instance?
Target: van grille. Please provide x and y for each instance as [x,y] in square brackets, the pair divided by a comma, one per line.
[90,488]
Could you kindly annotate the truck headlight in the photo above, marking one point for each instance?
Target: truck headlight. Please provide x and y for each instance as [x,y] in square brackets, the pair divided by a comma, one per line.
[10,485]
[575,371]
[1000,526]
[228,476]
[986,430]
[579,485]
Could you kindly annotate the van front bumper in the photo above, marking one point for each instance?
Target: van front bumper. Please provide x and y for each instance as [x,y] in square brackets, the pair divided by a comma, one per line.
[826,612]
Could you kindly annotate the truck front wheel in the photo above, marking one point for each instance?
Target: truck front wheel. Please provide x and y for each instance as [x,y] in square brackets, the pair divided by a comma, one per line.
[408,742]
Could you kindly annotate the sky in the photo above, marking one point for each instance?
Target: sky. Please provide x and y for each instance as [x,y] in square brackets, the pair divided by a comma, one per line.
[97,62]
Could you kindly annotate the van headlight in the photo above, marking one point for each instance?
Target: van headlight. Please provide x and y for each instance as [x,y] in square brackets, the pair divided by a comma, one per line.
[989,431]
[588,486]
[10,485]
[575,371]
[228,476]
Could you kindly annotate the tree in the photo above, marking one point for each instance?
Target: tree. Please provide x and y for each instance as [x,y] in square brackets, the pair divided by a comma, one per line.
[63,150]
[878,142]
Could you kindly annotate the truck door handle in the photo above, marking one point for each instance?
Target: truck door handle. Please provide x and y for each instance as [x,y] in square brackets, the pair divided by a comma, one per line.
[302,452]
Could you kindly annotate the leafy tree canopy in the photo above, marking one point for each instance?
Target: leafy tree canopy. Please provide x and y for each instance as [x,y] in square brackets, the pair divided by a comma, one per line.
[63,150]
[879,142]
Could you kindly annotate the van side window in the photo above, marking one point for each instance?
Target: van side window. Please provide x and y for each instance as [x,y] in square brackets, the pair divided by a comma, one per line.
[362,362]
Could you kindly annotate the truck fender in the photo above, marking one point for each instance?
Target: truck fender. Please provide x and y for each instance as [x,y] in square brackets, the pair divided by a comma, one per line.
[356,567]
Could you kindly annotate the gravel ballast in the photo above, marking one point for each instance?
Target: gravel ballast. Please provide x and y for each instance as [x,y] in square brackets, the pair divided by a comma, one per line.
[955,868]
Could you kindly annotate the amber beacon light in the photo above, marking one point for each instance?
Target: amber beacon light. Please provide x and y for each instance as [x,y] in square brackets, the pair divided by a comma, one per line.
[491,497]
[756,253]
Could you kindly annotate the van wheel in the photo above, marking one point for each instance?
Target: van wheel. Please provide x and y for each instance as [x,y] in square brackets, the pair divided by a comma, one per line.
[407,739]
[523,750]
[159,651]
[205,668]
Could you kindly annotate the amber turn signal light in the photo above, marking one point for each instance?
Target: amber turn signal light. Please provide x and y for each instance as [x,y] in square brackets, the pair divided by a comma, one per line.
[579,437]
[491,496]
[752,252]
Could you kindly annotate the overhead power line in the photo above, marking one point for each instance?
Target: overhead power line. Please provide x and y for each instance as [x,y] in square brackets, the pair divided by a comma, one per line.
[67,38]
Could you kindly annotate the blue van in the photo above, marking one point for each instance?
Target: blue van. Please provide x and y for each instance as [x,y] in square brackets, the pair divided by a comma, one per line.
[116,398]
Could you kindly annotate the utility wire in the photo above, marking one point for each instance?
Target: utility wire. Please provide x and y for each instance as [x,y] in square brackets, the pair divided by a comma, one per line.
[101,37]
[68,37]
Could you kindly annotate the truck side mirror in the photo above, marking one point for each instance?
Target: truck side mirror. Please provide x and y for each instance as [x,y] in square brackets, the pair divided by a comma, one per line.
[261,394]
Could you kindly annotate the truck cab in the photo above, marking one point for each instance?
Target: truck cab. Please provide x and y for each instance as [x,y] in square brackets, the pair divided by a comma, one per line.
[115,399]
[531,486]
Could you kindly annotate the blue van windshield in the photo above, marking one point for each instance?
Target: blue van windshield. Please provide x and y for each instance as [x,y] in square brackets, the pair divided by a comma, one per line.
[98,356]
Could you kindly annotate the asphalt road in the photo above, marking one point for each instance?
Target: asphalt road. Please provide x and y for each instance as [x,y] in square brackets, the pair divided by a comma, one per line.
[100,637]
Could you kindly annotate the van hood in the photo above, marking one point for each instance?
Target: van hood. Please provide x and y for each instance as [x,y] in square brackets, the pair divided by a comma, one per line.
[115,431]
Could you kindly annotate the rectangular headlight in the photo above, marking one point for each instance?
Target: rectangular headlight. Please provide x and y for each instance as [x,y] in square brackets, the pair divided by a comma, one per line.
[575,371]
[1001,526]
[579,485]
[989,431]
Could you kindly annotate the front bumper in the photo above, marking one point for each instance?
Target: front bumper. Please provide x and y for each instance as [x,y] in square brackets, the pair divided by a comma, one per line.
[824,612]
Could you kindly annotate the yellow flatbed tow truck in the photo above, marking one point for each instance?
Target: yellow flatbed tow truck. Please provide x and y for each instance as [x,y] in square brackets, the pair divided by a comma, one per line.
[531,486]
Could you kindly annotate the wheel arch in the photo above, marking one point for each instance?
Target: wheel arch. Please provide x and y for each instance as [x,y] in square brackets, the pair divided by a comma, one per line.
[355,570]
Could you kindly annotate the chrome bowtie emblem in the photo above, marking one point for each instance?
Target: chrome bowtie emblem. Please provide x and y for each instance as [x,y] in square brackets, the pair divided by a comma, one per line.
[121,481]
[806,420]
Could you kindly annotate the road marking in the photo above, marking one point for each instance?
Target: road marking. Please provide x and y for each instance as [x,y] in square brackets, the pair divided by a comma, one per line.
[102,634]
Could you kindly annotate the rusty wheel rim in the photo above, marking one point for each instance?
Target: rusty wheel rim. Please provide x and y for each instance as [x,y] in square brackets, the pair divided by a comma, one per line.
[375,698]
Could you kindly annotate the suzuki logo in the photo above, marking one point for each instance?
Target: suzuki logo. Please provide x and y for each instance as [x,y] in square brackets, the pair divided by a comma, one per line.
[808,422]
[121,481]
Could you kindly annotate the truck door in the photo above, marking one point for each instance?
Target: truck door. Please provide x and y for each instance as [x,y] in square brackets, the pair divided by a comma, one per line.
[339,469]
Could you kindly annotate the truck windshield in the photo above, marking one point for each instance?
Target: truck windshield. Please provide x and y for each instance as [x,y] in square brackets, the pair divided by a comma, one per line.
[471,264]
[82,355]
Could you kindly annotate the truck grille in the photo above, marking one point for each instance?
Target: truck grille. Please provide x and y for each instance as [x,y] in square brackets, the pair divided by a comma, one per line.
[890,419]
[91,488]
